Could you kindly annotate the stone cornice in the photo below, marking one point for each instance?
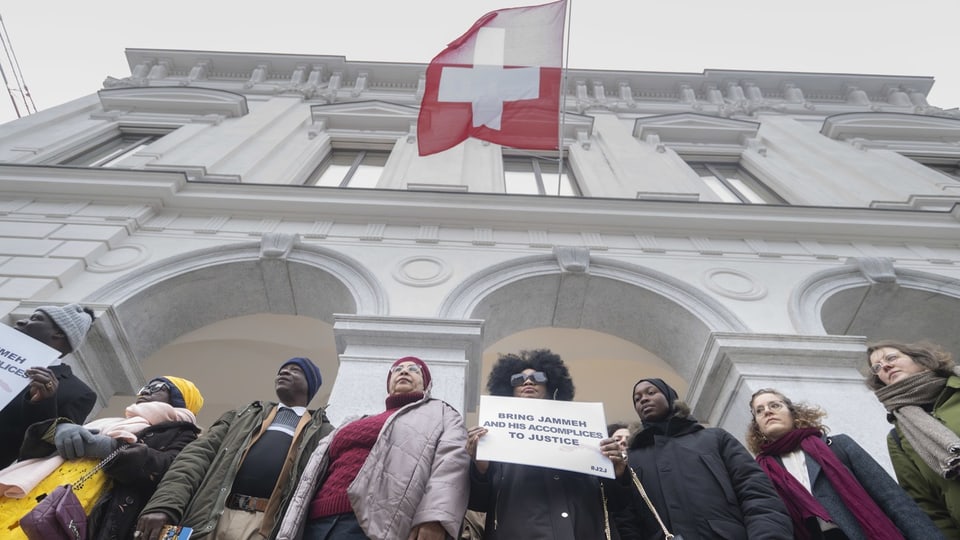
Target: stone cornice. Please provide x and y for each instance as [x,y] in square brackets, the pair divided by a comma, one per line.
[256,68]
[171,191]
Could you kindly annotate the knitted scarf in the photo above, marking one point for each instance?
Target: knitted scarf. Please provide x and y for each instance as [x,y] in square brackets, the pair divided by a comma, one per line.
[935,443]
[802,505]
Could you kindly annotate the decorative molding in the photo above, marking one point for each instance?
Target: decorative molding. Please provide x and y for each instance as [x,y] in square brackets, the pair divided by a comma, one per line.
[428,234]
[572,259]
[374,232]
[891,126]
[875,269]
[190,100]
[483,236]
[539,239]
[277,245]
[121,258]
[752,291]
[422,271]
[692,128]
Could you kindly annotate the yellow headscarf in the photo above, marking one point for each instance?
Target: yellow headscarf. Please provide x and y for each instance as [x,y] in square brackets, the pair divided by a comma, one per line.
[189,396]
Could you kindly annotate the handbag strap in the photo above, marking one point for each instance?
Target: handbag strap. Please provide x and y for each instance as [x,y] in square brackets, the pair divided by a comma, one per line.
[606,515]
[97,468]
[643,494]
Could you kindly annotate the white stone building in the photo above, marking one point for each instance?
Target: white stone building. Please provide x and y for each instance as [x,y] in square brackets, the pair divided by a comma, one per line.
[725,230]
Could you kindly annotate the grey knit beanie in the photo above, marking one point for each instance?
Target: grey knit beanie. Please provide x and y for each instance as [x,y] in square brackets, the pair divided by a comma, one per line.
[72,321]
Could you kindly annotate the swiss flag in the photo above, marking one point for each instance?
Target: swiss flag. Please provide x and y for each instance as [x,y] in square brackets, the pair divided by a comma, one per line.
[500,82]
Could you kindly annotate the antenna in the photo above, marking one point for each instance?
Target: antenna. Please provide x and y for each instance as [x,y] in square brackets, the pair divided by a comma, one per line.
[15,83]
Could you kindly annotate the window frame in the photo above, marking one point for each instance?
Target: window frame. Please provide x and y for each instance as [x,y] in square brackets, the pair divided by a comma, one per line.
[360,155]
[715,168]
[115,145]
[536,170]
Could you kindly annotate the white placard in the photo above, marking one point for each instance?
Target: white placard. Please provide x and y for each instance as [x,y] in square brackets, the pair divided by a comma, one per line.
[19,352]
[543,432]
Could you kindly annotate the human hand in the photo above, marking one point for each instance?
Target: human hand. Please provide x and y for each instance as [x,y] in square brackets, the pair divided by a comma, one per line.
[428,531]
[71,440]
[473,439]
[99,446]
[43,383]
[150,525]
[610,447]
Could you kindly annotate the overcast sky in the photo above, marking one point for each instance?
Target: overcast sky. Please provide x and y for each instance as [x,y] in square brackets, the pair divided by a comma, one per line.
[66,47]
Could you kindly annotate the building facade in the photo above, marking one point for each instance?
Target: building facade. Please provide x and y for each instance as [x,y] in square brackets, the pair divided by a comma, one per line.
[725,230]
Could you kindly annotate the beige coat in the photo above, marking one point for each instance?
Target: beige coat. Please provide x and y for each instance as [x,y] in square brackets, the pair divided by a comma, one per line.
[417,472]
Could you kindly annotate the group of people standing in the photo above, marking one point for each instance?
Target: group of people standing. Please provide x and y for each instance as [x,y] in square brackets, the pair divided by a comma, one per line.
[276,469]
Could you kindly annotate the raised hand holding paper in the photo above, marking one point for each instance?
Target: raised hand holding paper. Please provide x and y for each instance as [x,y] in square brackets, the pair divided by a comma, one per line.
[545,433]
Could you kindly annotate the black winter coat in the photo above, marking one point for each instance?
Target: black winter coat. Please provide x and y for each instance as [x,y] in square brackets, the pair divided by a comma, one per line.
[535,503]
[74,400]
[136,473]
[703,483]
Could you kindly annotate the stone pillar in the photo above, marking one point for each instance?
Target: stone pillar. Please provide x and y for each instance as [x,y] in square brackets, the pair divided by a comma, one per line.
[820,370]
[368,345]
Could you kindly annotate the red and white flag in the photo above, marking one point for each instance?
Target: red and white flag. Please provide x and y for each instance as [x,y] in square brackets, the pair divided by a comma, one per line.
[500,82]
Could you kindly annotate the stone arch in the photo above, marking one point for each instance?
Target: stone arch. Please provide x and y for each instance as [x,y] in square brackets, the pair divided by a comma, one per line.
[572,289]
[871,297]
[161,301]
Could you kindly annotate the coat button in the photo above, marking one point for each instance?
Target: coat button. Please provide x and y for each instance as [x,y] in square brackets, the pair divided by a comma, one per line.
[564,514]
[556,477]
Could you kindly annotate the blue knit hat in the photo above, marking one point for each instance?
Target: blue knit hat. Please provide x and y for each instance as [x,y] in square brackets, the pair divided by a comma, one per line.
[311,371]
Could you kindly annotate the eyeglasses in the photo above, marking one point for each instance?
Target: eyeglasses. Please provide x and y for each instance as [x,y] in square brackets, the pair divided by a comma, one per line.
[888,359]
[773,406]
[538,377]
[411,368]
[153,388]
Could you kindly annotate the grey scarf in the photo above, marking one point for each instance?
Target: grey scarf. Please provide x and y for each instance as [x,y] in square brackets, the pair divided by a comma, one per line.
[936,444]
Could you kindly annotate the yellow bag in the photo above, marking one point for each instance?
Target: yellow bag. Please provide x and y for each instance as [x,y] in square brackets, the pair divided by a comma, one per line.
[11,510]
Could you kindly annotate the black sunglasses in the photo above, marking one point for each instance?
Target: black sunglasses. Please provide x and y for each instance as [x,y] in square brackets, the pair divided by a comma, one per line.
[153,388]
[518,379]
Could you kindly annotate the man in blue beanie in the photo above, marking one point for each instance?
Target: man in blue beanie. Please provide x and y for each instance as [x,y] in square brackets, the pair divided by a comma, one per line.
[254,455]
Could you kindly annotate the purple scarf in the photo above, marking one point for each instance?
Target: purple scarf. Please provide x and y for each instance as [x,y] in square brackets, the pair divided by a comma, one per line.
[802,505]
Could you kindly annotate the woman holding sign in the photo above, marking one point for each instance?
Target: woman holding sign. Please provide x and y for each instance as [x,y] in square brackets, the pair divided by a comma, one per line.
[523,501]
[400,474]
[702,481]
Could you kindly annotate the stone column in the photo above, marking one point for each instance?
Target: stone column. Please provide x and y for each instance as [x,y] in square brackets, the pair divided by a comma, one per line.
[368,345]
[820,370]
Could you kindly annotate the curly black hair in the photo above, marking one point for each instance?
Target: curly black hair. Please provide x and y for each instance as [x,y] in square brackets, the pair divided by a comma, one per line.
[559,383]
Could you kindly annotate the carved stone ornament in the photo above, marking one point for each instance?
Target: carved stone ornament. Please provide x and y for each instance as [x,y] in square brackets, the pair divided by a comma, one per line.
[575,260]
[876,269]
[277,245]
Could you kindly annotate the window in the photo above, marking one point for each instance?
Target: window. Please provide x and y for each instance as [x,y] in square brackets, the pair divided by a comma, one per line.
[350,168]
[538,176]
[951,171]
[110,152]
[733,184]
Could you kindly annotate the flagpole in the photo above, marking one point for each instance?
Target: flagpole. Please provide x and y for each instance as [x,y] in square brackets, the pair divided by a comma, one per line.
[564,62]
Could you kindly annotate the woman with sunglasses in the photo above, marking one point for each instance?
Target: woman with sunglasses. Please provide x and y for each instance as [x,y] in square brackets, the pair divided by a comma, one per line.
[523,501]
[160,423]
[833,489]
[919,386]
[398,474]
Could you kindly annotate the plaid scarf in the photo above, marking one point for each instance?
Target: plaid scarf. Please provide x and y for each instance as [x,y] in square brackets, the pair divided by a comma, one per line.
[935,443]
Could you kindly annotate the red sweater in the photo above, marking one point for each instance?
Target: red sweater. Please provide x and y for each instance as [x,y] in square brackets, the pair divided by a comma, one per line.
[347,452]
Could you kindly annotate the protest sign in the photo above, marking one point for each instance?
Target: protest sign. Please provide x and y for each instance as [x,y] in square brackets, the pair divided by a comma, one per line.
[543,432]
[19,352]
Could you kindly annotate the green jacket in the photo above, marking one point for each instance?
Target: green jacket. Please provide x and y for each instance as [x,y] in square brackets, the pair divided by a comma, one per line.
[195,488]
[937,496]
